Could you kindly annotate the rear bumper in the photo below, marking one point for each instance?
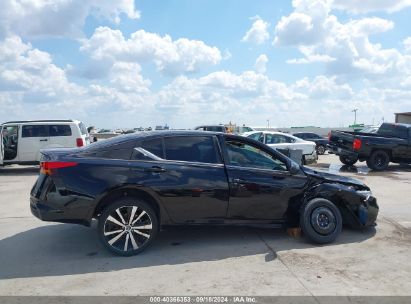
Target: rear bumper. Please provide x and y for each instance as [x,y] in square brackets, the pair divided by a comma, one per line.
[45,212]
[342,152]
[48,204]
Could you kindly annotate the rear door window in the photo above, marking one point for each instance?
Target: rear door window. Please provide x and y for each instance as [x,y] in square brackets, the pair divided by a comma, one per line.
[192,149]
[34,131]
[277,139]
[154,146]
[60,130]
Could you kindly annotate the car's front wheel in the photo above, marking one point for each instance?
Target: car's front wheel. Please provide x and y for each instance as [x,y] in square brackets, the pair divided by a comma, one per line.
[320,220]
[127,226]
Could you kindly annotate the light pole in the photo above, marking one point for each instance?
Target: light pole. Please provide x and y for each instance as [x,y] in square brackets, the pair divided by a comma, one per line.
[355,115]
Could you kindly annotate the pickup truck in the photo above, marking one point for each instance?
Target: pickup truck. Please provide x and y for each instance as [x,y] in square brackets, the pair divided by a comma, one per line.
[391,143]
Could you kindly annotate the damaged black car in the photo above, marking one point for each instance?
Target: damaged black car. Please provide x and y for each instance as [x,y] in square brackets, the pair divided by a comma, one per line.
[137,184]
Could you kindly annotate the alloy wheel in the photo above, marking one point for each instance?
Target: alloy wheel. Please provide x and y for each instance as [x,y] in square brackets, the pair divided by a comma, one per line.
[380,161]
[127,228]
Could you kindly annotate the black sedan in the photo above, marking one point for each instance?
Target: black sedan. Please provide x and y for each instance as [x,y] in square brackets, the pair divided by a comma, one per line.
[136,184]
[320,142]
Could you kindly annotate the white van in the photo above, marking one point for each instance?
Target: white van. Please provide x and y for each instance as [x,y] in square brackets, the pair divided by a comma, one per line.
[21,141]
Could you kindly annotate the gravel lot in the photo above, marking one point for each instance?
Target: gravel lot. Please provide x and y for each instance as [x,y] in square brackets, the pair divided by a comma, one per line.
[39,258]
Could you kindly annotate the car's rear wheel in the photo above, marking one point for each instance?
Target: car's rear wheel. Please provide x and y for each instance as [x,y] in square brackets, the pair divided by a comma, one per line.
[321,150]
[127,226]
[320,220]
[349,161]
[378,160]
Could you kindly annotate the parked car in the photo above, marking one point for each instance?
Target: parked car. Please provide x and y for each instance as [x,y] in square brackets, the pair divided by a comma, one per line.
[391,143]
[281,140]
[212,128]
[320,142]
[242,129]
[136,184]
[21,141]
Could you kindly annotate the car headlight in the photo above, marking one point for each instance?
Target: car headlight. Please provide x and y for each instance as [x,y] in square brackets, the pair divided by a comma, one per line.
[364,193]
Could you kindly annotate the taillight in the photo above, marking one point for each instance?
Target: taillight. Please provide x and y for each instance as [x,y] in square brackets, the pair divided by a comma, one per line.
[48,167]
[79,142]
[356,144]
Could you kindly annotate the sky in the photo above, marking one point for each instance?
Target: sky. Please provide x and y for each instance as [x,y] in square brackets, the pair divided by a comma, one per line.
[125,63]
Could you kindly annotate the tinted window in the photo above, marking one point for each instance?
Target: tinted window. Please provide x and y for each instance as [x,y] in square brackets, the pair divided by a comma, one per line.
[215,128]
[301,135]
[277,139]
[60,130]
[154,146]
[391,130]
[191,148]
[115,154]
[245,155]
[34,131]
[313,135]
[257,136]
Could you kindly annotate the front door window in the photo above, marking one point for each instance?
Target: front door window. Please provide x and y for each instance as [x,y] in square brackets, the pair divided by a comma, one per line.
[246,155]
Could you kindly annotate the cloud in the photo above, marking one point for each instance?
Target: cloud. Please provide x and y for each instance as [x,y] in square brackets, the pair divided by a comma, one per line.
[407,44]
[261,64]
[170,57]
[24,68]
[366,6]
[258,33]
[344,48]
[58,18]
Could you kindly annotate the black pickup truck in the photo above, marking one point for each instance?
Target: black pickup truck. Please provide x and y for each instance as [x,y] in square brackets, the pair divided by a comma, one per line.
[391,143]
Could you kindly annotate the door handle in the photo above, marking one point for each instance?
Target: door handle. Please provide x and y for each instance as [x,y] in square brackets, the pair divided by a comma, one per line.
[155,169]
[238,181]
[43,139]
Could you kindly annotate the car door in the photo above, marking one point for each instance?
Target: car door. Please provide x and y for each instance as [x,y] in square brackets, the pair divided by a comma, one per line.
[33,138]
[261,186]
[1,146]
[10,143]
[188,175]
[278,141]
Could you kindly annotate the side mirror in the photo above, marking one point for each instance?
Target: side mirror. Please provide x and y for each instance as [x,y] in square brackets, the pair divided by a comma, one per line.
[294,168]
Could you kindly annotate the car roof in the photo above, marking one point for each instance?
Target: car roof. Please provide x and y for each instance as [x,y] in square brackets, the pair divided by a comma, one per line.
[40,121]
[270,132]
[123,138]
[202,126]
[397,124]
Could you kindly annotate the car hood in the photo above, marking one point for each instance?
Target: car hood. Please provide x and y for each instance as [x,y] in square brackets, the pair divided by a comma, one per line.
[334,178]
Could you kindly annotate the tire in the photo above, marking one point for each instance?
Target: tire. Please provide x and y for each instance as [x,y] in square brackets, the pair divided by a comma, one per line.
[348,161]
[378,160]
[117,226]
[320,221]
[321,150]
